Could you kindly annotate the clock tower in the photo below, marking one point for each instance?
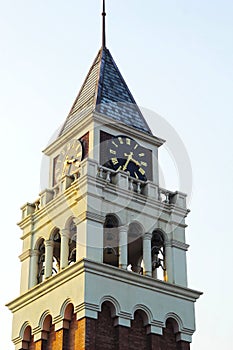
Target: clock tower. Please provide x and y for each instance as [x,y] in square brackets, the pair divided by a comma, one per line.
[104,249]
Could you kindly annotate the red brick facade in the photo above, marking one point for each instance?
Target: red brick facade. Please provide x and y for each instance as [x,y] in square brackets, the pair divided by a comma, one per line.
[101,334]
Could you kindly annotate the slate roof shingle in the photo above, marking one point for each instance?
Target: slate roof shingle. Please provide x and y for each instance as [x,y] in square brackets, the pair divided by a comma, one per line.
[105,91]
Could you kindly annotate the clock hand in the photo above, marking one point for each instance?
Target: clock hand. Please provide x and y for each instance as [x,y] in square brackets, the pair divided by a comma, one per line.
[128,160]
[135,161]
[65,165]
[73,160]
[119,168]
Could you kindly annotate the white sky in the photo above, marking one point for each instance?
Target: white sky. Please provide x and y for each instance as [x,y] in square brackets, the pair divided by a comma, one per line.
[176,57]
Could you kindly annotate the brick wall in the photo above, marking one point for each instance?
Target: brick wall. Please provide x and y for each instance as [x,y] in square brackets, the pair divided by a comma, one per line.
[101,334]
[105,330]
[137,337]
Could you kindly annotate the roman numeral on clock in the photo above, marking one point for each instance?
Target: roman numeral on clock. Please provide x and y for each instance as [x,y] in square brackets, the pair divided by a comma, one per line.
[114,161]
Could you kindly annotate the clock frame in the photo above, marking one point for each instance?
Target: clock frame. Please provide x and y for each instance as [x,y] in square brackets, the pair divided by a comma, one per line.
[68,160]
[124,153]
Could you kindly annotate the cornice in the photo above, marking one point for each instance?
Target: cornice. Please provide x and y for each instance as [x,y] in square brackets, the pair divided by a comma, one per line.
[84,121]
[85,267]
[156,141]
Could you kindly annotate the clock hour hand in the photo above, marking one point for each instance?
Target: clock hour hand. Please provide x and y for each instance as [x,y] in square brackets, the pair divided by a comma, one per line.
[71,161]
[66,162]
[130,158]
[135,161]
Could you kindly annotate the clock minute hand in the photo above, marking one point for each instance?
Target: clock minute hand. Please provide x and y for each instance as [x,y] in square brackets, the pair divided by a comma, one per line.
[128,160]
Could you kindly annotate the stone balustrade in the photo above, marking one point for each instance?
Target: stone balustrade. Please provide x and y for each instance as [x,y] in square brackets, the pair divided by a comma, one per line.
[121,179]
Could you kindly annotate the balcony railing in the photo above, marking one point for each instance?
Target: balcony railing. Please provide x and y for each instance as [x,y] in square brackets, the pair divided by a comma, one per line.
[119,179]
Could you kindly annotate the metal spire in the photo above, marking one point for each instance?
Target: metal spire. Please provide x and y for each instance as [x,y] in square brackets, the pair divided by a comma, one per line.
[104,27]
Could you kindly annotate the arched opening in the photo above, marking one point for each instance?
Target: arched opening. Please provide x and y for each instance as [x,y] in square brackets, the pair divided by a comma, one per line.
[135,248]
[111,241]
[138,331]
[70,327]
[27,343]
[169,334]
[56,237]
[106,336]
[158,255]
[41,261]
[49,334]
[72,242]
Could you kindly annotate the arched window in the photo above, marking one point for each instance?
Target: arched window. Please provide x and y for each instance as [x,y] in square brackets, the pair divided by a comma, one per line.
[111,240]
[41,261]
[135,248]
[158,255]
[72,242]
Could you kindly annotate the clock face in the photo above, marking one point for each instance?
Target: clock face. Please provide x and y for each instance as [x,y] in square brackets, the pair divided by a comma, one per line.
[69,159]
[126,154]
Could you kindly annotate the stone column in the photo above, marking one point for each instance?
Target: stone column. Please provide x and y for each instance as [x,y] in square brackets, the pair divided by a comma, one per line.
[147,254]
[155,274]
[123,247]
[48,258]
[64,248]
[33,277]
[169,262]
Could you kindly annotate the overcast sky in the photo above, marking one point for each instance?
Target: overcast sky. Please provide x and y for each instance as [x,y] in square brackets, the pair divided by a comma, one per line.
[176,57]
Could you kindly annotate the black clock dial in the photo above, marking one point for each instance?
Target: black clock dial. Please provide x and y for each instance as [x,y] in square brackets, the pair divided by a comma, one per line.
[126,154]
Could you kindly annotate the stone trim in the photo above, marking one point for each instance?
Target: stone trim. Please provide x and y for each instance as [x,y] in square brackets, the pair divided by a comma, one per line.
[25,255]
[87,266]
[179,245]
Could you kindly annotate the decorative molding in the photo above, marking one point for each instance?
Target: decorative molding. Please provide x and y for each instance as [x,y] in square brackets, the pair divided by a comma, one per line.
[86,310]
[84,121]
[146,311]
[86,266]
[113,301]
[49,243]
[123,128]
[179,245]
[147,236]
[25,255]
[87,215]
[95,217]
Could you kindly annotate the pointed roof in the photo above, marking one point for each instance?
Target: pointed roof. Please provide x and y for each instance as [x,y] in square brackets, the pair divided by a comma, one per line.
[105,91]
